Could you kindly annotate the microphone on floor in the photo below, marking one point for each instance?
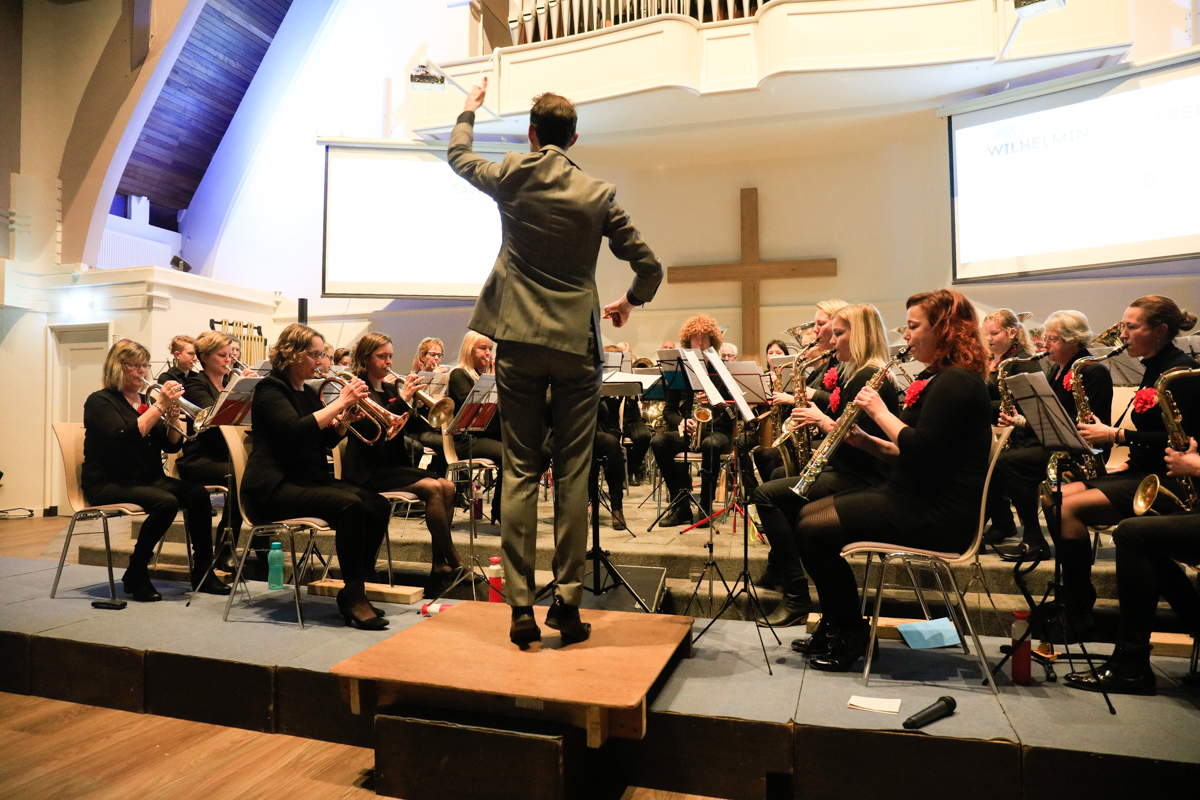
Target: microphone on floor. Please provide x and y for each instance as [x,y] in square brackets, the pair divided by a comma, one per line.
[942,707]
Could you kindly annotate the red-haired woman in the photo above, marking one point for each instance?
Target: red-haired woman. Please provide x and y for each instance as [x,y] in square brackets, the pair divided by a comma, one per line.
[938,446]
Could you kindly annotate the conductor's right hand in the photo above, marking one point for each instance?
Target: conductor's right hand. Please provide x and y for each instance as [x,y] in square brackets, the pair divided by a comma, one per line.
[352,392]
[475,97]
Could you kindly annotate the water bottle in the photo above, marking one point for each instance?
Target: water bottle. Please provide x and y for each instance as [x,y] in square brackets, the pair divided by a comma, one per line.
[275,566]
[1021,654]
[495,580]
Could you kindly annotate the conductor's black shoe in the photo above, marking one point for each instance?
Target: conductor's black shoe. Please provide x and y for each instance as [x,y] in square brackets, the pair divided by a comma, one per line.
[524,628]
[564,618]
[678,517]
[1116,677]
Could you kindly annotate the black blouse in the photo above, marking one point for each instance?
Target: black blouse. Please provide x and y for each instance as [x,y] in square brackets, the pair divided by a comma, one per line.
[175,374]
[114,450]
[945,447]
[288,443]
[209,445]
[365,460]
[852,459]
[1149,442]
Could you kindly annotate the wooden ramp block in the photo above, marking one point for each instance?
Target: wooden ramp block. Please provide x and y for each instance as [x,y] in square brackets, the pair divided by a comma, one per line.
[1178,645]
[402,595]
[168,572]
[887,626]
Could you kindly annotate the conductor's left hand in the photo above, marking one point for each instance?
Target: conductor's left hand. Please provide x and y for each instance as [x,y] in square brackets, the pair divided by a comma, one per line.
[475,97]
[619,311]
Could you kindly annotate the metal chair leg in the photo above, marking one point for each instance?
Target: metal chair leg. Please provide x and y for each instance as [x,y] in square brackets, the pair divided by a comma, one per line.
[917,589]
[112,586]
[862,607]
[883,562]
[63,558]
[979,654]
[295,575]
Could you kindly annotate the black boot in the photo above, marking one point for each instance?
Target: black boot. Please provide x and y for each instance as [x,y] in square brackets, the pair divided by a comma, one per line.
[770,576]
[1077,595]
[136,582]
[816,644]
[845,647]
[794,607]
[1128,671]
[205,582]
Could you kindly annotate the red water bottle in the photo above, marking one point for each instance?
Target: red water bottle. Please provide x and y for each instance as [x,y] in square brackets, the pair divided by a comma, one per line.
[1021,652]
[495,580]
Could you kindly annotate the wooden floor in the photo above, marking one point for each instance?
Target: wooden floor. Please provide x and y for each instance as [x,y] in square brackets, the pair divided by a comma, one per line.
[53,749]
[28,538]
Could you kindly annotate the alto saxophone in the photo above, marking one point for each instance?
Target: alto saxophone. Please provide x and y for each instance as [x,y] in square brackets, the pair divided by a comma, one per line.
[795,442]
[1089,464]
[1151,487]
[845,423]
[1008,405]
[702,416]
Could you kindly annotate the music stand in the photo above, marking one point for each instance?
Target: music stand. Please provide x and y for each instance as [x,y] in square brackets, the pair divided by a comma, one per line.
[1056,431]
[476,414]
[681,370]
[609,388]
[743,415]
[232,408]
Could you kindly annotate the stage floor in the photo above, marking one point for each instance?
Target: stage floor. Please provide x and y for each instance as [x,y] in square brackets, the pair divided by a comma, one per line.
[726,682]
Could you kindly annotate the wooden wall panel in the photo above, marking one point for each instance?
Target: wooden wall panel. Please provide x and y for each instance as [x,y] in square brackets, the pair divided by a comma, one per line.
[199,99]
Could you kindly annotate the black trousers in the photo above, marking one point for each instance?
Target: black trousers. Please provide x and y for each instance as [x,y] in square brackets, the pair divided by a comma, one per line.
[667,445]
[639,437]
[212,473]
[1017,477]
[162,499]
[608,446]
[1147,549]
[779,509]
[359,518]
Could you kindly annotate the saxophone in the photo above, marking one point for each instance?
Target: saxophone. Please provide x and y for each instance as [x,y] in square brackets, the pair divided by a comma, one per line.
[795,442]
[1151,487]
[1008,405]
[844,424]
[1089,464]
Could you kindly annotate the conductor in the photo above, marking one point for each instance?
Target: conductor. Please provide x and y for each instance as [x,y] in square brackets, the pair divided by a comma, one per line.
[541,306]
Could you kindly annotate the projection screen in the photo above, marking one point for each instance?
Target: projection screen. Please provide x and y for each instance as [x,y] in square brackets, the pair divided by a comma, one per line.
[1094,176]
[400,223]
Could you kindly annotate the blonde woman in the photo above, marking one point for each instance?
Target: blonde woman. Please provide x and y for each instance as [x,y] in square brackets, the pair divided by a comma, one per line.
[860,345]
[125,435]
[429,356]
[476,357]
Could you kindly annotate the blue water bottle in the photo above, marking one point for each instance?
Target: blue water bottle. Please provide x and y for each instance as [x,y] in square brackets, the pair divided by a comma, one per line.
[275,566]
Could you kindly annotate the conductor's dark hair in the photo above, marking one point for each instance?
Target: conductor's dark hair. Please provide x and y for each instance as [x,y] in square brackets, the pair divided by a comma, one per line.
[553,117]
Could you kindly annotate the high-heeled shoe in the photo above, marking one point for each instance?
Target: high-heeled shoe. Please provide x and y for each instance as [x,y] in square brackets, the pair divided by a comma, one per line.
[136,583]
[346,606]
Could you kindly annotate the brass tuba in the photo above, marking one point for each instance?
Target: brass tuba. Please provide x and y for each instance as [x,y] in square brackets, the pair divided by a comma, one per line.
[1151,488]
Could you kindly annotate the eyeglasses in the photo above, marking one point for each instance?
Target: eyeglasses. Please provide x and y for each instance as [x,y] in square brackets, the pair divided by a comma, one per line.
[139,365]
[1053,339]
[315,354]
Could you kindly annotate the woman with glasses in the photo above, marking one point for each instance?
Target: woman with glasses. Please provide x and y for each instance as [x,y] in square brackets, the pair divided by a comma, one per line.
[287,474]
[125,434]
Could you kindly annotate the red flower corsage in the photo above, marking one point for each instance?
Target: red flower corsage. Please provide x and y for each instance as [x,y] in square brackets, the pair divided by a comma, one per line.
[1144,400]
[835,399]
[830,379]
[142,409]
[1068,381]
[913,392]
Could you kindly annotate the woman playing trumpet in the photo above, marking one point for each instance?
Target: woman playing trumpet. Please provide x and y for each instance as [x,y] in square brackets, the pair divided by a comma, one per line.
[287,476]
[1150,325]
[476,357]
[861,349]
[386,466]
[125,435]
[938,448]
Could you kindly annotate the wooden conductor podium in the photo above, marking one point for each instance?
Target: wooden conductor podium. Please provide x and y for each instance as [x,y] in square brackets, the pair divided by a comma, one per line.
[459,666]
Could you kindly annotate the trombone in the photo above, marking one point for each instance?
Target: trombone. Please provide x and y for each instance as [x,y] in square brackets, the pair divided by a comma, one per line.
[198,415]
[387,424]
[441,410]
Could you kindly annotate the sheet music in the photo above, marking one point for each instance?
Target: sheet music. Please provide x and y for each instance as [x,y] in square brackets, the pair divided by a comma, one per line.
[1189,345]
[904,374]
[1045,415]
[751,381]
[234,402]
[697,375]
[643,380]
[436,383]
[671,370]
[478,408]
[732,386]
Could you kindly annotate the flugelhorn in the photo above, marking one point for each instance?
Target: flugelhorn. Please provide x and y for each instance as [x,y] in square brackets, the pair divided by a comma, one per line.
[387,424]
[197,414]
[441,410]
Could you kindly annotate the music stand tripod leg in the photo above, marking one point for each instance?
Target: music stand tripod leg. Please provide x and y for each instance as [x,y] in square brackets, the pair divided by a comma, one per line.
[599,557]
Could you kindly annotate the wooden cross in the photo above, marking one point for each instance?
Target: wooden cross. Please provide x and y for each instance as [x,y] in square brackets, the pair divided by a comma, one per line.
[750,271]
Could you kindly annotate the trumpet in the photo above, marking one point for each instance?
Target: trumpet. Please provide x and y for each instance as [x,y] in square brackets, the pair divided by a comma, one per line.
[198,415]
[387,424]
[441,410]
